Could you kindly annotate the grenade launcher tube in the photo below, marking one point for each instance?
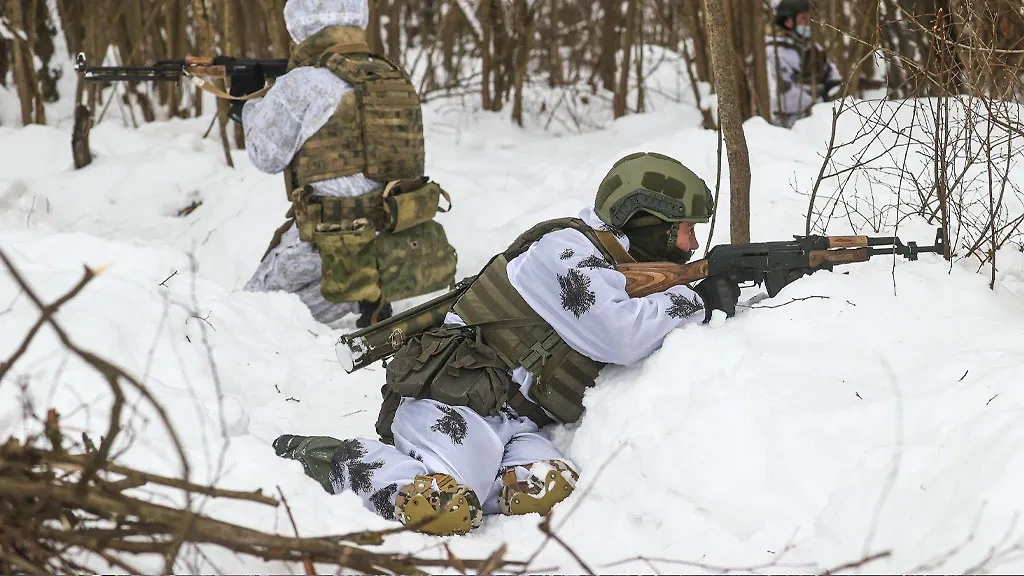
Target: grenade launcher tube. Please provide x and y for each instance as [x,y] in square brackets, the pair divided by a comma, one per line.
[380,341]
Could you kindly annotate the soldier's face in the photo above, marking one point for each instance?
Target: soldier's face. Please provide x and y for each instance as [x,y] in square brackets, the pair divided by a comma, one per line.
[687,238]
[801,19]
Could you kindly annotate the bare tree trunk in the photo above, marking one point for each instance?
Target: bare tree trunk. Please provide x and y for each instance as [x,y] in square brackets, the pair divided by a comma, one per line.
[609,43]
[694,22]
[736,16]
[640,105]
[722,59]
[22,53]
[80,152]
[502,53]
[373,39]
[274,15]
[619,101]
[551,45]
[394,30]
[175,28]
[524,33]
[761,97]
[485,53]
[73,23]
[42,45]
[234,45]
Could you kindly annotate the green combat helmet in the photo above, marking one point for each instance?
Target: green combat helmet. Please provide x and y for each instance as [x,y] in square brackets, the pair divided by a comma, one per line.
[647,195]
[789,9]
[656,184]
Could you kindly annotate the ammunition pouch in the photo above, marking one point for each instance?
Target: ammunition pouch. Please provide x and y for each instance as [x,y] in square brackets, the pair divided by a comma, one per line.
[453,366]
[312,210]
[348,262]
[408,203]
[410,256]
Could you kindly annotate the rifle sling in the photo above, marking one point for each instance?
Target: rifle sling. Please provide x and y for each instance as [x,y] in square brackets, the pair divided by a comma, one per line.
[206,86]
[611,244]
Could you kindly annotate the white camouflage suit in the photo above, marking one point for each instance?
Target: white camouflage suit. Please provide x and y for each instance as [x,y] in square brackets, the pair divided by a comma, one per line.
[790,98]
[594,315]
[277,125]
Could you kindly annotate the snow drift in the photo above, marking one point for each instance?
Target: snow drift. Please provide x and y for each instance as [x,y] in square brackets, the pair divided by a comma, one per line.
[876,408]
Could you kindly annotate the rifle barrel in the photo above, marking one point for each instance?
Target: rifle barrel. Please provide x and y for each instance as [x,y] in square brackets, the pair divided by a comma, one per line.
[173,70]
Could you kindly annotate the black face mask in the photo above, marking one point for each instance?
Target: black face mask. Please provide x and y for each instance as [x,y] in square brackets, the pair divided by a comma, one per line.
[655,243]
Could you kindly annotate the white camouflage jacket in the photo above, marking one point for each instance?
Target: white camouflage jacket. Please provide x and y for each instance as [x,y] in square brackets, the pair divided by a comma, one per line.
[564,278]
[791,98]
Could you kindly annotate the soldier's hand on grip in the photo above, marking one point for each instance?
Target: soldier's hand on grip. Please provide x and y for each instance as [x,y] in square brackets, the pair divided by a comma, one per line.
[718,293]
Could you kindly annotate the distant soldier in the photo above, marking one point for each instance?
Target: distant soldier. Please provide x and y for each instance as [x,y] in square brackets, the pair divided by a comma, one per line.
[345,126]
[799,74]
[464,402]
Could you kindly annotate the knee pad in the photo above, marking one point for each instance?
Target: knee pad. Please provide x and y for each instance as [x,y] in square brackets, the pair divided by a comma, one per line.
[549,482]
[437,504]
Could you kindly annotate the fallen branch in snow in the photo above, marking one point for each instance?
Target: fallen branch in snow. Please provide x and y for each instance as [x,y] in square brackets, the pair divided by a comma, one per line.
[205,319]
[545,527]
[47,312]
[785,303]
[85,513]
[858,563]
[307,563]
[76,463]
[113,374]
[47,521]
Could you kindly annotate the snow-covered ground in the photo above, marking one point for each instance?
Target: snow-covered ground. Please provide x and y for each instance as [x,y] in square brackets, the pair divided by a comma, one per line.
[878,409]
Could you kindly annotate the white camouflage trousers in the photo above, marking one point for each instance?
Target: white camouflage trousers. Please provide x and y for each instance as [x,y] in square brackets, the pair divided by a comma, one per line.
[431,437]
[294,266]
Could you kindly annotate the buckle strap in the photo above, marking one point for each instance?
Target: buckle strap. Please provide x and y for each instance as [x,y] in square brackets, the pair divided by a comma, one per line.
[524,407]
[540,351]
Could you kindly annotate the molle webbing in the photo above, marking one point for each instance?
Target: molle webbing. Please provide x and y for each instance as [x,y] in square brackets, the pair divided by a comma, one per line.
[521,337]
[336,210]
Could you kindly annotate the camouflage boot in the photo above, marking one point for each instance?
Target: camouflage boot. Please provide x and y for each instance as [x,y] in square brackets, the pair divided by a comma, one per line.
[437,504]
[372,312]
[549,482]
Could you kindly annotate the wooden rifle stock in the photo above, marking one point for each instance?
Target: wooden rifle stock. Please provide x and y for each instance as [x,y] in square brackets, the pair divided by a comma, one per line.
[646,278]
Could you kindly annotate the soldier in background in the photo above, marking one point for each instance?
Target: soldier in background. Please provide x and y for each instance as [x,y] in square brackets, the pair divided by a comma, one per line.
[464,402]
[799,73]
[345,127]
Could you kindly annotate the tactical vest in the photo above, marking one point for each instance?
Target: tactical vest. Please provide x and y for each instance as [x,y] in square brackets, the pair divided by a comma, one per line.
[377,128]
[384,244]
[520,337]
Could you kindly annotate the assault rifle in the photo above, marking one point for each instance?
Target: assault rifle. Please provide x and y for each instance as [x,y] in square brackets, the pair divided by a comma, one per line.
[773,264]
[174,70]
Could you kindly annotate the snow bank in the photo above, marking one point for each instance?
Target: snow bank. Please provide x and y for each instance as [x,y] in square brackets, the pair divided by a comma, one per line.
[872,409]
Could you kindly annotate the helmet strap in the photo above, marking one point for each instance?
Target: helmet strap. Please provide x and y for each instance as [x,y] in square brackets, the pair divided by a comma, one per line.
[673,235]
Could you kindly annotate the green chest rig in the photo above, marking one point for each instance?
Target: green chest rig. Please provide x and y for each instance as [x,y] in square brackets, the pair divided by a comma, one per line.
[520,337]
